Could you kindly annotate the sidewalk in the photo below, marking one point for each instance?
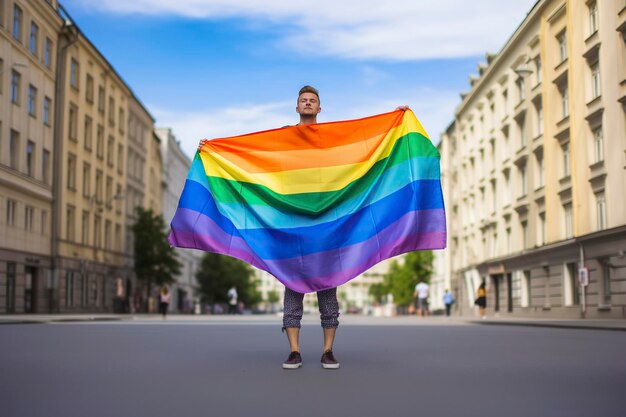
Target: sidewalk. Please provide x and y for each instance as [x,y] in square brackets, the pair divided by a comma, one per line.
[346,319]
[589,324]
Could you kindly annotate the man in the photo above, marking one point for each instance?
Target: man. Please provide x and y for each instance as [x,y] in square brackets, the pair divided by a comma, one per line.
[308,107]
[448,300]
[421,291]
[232,300]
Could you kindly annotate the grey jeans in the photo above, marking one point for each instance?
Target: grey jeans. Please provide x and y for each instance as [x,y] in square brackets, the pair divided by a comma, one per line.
[326,300]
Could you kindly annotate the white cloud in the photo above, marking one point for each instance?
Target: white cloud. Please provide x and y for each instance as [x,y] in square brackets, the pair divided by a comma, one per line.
[191,127]
[433,108]
[360,29]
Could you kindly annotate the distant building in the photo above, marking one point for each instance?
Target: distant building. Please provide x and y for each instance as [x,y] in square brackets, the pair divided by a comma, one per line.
[533,166]
[175,168]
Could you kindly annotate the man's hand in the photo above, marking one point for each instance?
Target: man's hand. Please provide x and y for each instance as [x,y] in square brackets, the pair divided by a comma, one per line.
[403,108]
[202,143]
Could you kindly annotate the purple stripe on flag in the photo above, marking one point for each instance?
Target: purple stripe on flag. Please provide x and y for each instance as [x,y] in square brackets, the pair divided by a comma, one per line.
[320,270]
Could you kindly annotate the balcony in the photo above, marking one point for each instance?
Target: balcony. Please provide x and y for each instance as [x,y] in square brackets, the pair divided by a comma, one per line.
[565,188]
[597,176]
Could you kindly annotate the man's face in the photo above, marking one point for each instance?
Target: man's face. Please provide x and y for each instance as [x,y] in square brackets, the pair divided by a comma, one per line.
[308,104]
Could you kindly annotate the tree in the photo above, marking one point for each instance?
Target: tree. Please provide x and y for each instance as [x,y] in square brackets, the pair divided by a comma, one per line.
[217,273]
[155,260]
[401,279]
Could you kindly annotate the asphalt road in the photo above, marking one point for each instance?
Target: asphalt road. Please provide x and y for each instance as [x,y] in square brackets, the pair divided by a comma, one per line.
[187,369]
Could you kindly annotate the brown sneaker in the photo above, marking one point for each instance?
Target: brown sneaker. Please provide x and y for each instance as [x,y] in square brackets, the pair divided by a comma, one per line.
[329,361]
[294,361]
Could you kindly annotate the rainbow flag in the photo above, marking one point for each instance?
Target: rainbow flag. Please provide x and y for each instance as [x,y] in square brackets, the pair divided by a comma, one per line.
[315,205]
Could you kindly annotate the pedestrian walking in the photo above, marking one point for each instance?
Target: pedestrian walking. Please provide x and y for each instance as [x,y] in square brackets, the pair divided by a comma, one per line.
[164,301]
[232,300]
[481,300]
[421,292]
[448,300]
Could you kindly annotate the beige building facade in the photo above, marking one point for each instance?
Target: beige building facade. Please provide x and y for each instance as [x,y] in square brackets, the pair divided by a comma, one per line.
[28,42]
[66,120]
[534,166]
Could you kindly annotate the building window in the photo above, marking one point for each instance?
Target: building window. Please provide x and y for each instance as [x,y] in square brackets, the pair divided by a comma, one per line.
[71,171]
[45,167]
[98,186]
[11,210]
[509,240]
[29,218]
[85,228]
[107,234]
[568,220]
[566,160]
[540,170]
[542,228]
[47,55]
[110,150]
[74,73]
[564,102]
[121,120]
[101,99]
[32,99]
[30,158]
[89,89]
[562,39]
[598,145]
[120,158]
[596,88]
[111,111]
[97,231]
[88,132]
[601,210]
[69,223]
[538,76]
[32,44]
[73,122]
[100,142]
[47,103]
[14,149]
[523,180]
[16,80]
[86,180]
[593,18]
[17,23]
[109,192]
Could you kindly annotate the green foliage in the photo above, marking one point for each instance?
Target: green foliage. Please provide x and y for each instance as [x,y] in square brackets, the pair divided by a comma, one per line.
[217,273]
[155,260]
[272,296]
[401,279]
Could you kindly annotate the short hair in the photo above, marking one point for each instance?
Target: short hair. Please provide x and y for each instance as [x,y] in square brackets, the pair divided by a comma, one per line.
[309,89]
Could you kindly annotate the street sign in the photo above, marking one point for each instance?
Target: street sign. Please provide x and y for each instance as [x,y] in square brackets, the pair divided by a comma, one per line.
[583,277]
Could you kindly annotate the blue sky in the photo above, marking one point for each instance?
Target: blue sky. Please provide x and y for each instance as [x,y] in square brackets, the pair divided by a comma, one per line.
[214,68]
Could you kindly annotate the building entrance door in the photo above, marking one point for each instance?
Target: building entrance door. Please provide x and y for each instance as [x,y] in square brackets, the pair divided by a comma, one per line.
[496,279]
[30,289]
[509,292]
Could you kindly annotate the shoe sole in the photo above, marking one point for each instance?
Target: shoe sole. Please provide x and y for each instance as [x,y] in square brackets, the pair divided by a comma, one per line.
[290,366]
[330,366]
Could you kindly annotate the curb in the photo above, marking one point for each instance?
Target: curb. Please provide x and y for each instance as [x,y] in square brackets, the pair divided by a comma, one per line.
[550,325]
